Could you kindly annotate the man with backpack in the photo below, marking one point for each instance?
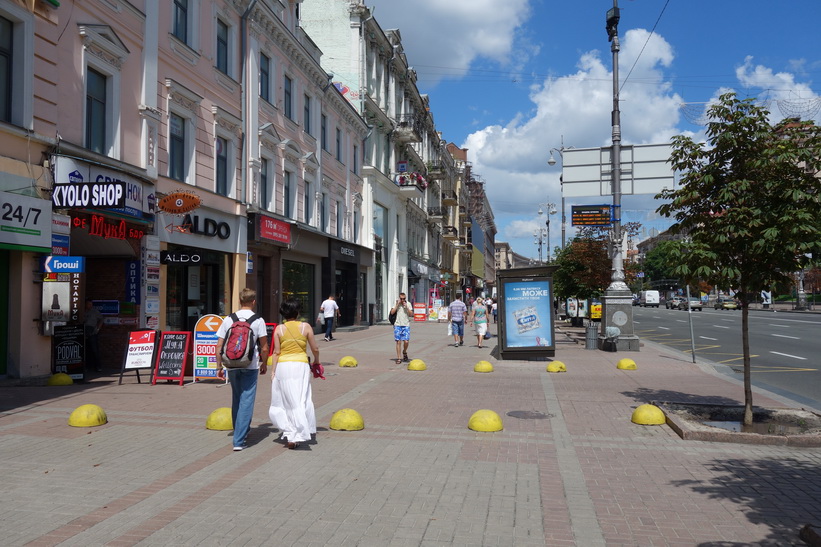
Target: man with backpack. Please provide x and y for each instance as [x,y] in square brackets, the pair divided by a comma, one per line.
[242,349]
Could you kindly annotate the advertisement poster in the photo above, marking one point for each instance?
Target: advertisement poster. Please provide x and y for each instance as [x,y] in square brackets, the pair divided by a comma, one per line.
[420,311]
[528,320]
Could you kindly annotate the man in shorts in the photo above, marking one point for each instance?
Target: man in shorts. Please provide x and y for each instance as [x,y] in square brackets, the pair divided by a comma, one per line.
[458,310]
[401,327]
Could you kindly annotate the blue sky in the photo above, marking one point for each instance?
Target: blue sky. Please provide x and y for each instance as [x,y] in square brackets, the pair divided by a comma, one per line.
[511,80]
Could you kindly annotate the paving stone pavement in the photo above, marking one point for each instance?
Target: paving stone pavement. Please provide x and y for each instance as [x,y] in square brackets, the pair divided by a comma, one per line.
[571,470]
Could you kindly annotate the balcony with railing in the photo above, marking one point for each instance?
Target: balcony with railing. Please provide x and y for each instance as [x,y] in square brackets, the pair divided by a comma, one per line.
[449,199]
[450,233]
[437,214]
[408,128]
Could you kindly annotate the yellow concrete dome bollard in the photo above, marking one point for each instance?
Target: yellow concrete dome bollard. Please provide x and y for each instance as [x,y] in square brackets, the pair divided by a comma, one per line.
[648,415]
[626,364]
[348,361]
[485,420]
[483,366]
[556,366]
[87,416]
[347,419]
[220,420]
[417,364]
[59,379]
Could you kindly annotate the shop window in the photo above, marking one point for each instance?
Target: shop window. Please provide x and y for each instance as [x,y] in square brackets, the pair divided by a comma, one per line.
[298,282]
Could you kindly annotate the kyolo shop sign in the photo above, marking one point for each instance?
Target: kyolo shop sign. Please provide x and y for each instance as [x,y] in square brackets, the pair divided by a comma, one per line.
[81,185]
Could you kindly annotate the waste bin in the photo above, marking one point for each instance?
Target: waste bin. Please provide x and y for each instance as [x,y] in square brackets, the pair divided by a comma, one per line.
[591,339]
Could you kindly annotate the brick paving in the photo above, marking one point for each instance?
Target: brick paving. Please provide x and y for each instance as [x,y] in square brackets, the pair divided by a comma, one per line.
[572,470]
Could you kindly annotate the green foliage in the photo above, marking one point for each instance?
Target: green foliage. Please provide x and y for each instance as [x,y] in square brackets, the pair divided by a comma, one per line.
[583,269]
[748,200]
[748,204]
[661,261]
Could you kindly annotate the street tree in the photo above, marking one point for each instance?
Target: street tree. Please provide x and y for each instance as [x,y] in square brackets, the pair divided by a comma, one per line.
[748,204]
[584,265]
[659,263]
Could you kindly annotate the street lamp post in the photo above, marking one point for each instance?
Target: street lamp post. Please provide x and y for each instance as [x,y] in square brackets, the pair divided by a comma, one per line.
[617,309]
[551,162]
[549,209]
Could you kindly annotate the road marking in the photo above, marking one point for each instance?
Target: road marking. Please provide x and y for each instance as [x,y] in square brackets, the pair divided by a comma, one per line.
[788,355]
[785,336]
[680,321]
[721,326]
[708,338]
[781,326]
[664,328]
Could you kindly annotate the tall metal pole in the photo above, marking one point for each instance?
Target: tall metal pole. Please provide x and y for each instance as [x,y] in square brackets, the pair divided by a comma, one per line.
[617,309]
[617,276]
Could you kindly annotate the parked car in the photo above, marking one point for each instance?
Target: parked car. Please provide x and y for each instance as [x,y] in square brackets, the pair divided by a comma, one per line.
[695,304]
[723,303]
[673,302]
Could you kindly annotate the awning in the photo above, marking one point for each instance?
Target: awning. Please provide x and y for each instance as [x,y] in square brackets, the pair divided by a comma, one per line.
[83,244]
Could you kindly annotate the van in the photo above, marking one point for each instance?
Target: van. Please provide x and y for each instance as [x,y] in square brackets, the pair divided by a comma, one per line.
[649,299]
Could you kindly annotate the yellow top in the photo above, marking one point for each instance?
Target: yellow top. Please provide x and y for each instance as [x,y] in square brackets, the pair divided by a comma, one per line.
[292,343]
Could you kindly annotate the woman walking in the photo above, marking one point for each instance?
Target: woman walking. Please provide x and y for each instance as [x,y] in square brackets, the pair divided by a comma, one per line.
[479,318]
[292,406]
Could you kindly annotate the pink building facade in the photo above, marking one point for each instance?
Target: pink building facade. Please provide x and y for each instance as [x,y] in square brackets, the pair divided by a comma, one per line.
[175,153]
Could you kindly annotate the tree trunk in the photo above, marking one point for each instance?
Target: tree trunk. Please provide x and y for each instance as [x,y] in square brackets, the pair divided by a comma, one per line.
[745,345]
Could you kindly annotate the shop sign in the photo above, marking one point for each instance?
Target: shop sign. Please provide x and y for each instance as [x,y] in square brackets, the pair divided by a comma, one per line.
[132,281]
[274,230]
[107,307]
[25,221]
[106,195]
[344,251]
[179,203]
[63,264]
[208,228]
[99,226]
[190,257]
[60,224]
[60,244]
[82,185]
[68,350]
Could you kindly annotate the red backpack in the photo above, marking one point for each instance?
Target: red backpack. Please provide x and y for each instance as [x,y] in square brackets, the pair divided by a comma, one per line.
[240,342]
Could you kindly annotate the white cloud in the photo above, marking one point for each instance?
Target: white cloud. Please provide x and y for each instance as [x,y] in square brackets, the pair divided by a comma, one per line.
[455,33]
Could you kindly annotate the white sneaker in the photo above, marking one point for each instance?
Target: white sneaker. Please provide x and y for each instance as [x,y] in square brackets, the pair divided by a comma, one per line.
[238,448]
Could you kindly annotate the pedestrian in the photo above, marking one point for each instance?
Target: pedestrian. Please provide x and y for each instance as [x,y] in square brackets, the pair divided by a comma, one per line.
[329,310]
[401,327]
[292,406]
[92,323]
[457,311]
[244,380]
[478,316]
[494,311]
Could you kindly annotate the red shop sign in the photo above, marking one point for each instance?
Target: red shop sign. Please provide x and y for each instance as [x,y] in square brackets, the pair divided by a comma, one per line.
[275,230]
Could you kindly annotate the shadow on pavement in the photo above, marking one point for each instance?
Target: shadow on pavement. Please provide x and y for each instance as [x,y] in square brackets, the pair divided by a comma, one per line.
[745,483]
[647,395]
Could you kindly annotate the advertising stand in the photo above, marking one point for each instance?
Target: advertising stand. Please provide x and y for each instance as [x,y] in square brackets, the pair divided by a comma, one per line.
[140,352]
[526,313]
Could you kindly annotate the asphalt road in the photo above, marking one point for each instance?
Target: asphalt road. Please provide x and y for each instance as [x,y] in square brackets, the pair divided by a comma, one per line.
[785,347]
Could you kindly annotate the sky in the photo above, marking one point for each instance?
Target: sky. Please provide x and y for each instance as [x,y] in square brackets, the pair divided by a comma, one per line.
[511,80]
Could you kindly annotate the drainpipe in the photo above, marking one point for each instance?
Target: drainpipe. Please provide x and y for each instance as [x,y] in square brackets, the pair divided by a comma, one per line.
[243,97]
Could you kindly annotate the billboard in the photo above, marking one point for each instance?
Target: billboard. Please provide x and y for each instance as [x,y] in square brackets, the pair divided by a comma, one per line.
[526,313]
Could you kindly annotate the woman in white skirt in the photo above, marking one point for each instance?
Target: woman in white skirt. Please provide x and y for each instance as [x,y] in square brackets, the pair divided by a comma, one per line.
[292,407]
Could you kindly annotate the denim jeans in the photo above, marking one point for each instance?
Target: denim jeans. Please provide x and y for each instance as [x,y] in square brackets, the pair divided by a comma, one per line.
[329,327]
[243,393]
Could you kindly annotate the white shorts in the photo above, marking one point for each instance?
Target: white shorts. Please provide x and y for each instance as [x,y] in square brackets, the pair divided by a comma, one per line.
[481,328]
